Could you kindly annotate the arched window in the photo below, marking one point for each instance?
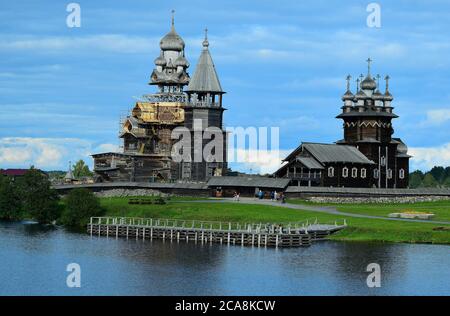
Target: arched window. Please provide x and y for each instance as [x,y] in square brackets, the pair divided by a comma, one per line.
[376,173]
[354,172]
[363,173]
[330,172]
[345,172]
[389,174]
[383,161]
[401,173]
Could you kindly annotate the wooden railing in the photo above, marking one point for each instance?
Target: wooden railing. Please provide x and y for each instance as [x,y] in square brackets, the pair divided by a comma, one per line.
[212,225]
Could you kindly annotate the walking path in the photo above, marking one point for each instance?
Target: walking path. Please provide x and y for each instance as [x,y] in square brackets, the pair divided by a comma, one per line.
[312,208]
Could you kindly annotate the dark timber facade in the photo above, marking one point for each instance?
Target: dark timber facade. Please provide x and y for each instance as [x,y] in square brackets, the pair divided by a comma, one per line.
[367,156]
[147,133]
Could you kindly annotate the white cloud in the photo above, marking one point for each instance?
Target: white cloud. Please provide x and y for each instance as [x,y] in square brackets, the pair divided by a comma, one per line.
[47,153]
[437,117]
[104,42]
[107,148]
[259,161]
[425,158]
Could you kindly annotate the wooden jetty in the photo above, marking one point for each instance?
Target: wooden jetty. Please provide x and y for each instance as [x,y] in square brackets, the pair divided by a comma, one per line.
[245,234]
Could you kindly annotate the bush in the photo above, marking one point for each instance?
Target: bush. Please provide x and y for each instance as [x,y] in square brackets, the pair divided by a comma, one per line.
[81,205]
[10,204]
[160,200]
[40,201]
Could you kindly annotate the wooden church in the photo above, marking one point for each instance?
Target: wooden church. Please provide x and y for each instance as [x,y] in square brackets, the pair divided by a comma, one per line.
[367,156]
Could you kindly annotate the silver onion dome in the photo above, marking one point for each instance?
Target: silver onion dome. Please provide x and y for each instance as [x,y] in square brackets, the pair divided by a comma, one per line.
[368,83]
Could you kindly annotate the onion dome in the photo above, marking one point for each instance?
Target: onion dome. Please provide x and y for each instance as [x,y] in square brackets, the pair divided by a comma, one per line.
[348,95]
[181,61]
[361,95]
[387,95]
[377,95]
[368,83]
[160,61]
[172,41]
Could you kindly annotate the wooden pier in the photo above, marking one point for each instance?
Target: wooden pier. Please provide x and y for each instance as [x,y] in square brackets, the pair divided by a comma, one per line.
[245,234]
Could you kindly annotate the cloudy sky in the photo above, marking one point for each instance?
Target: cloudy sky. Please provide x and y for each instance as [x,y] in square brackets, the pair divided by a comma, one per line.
[283,63]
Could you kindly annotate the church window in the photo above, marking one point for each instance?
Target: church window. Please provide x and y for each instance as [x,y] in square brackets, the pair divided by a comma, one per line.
[383,161]
[376,173]
[401,174]
[389,174]
[363,173]
[330,172]
[345,172]
[354,172]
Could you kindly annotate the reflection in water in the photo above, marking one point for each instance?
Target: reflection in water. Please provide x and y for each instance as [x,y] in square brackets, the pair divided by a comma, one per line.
[33,260]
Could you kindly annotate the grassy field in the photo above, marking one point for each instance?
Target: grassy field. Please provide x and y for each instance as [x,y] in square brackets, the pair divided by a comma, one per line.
[441,209]
[359,229]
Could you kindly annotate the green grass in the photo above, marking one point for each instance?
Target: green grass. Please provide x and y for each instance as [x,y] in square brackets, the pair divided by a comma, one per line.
[359,229]
[441,209]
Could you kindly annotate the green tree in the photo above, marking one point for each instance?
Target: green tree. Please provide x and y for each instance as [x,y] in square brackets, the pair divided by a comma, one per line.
[446,174]
[438,173]
[415,179]
[80,169]
[40,201]
[10,204]
[429,181]
[81,204]
[446,182]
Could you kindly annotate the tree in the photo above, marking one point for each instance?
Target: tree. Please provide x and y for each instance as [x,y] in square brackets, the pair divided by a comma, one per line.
[10,204]
[446,182]
[438,173]
[40,201]
[80,169]
[415,179]
[429,181]
[81,204]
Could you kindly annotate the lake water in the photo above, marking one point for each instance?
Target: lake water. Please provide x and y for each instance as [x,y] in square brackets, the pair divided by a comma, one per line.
[33,261]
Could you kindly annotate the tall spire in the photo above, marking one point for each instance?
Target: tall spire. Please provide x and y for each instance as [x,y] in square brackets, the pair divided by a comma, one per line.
[357,84]
[348,82]
[378,81]
[205,78]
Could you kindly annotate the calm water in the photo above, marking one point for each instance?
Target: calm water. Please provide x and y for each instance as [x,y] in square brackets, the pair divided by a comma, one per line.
[33,261]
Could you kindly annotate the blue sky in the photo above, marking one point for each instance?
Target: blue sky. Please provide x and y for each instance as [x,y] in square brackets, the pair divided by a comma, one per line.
[282,63]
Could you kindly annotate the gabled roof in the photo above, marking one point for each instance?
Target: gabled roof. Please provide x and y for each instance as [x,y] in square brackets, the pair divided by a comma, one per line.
[336,153]
[205,77]
[248,181]
[310,162]
[324,153]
